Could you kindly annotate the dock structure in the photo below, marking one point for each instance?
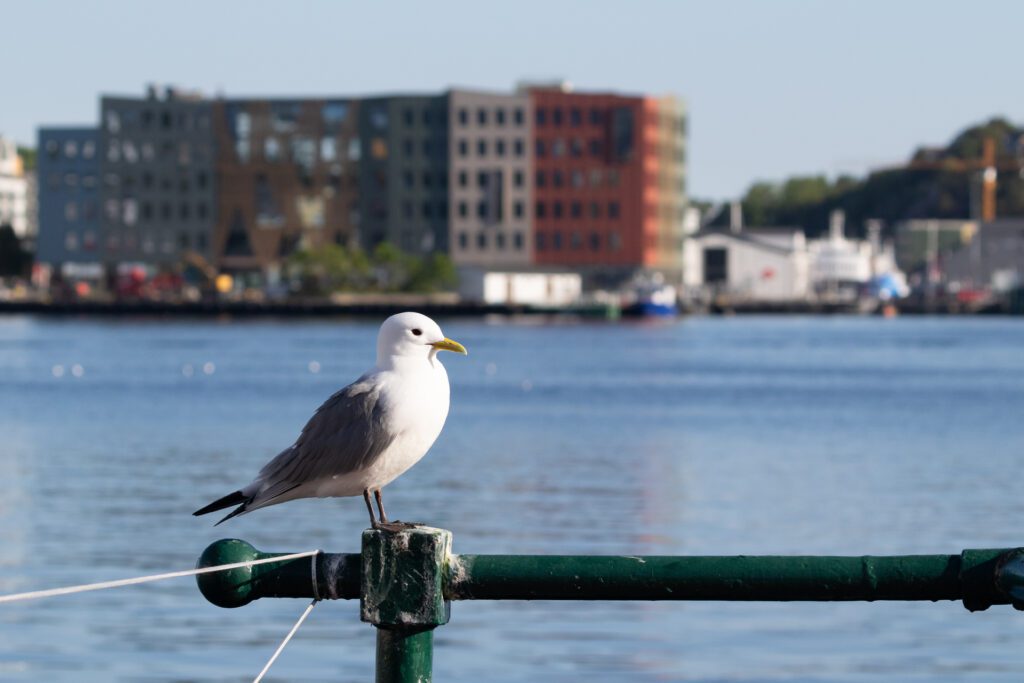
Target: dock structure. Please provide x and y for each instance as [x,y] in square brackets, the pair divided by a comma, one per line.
[405,581]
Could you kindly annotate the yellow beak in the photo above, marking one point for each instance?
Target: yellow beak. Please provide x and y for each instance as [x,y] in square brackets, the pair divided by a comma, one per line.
[450,345]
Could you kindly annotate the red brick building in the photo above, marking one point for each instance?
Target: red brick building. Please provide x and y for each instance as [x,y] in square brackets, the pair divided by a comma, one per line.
[609,183]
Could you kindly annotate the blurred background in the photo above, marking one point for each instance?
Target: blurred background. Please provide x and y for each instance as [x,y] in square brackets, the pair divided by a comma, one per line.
[735,278]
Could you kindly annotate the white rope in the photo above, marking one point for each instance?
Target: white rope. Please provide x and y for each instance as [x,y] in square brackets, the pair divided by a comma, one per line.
[67,590]
[284,642]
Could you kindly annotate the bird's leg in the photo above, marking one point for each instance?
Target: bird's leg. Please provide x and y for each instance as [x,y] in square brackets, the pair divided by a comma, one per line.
[369,508]
[380,506]
[384,523]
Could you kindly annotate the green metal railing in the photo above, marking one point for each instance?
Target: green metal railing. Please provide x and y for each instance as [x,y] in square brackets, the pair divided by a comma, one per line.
[405,581]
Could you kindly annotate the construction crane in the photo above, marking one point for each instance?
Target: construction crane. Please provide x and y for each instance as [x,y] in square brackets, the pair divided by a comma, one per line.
[986,170]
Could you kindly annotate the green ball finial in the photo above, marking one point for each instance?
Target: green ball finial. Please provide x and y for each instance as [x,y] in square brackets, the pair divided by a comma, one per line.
[231,587]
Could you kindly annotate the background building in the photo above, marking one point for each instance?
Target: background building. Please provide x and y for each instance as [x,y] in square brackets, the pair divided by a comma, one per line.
[68,168]
[157,190]
[13,189]
[766,264]
[489,147]
[404,172]
[992,259]
[609,181]
[919,241]
[539,179]
[287,174]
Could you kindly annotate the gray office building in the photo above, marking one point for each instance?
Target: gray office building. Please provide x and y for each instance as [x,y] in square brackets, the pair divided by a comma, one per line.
[404,172]
[70,227]
[489,173]
[157,189]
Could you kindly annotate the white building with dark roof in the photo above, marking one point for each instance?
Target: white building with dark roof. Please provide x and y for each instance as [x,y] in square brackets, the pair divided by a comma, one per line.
[765,264]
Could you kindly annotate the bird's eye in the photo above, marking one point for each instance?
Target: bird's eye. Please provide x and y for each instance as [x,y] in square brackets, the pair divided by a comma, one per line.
[417,331]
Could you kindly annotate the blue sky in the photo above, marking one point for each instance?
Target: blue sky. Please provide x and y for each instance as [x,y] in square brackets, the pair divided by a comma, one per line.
[774,88]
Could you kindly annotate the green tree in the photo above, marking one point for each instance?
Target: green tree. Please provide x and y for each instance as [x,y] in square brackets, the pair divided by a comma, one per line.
[892,194]
[432,273]
[28,157]
[969,144]
[760,204]
[333,268]
[391,266]
[328,268]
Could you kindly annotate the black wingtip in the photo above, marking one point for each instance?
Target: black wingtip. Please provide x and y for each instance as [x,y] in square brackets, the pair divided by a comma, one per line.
[221,503]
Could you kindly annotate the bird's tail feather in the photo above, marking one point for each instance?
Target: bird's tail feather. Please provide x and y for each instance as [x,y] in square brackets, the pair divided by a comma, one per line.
[244,507]
[221,503]
[253,502]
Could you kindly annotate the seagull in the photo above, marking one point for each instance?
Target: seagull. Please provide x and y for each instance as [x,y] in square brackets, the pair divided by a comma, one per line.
[366,435]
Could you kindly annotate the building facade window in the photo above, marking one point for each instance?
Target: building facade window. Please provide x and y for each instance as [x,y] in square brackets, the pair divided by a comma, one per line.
[271,149]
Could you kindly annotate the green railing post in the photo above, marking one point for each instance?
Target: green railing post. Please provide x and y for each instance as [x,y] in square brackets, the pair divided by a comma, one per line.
[402,594]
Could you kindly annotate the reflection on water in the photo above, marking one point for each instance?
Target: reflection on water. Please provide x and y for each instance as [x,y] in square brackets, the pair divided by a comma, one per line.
[712,436]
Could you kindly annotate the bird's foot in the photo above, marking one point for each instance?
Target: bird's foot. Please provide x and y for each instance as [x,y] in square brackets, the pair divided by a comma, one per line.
[395,526]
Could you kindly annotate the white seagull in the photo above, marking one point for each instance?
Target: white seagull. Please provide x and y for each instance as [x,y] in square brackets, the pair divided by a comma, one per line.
[366,435]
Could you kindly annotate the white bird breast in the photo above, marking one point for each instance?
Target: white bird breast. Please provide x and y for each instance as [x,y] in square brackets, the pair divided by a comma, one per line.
[417,406]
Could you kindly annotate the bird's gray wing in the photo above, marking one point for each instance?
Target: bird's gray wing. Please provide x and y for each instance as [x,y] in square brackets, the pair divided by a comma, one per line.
[347,433]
